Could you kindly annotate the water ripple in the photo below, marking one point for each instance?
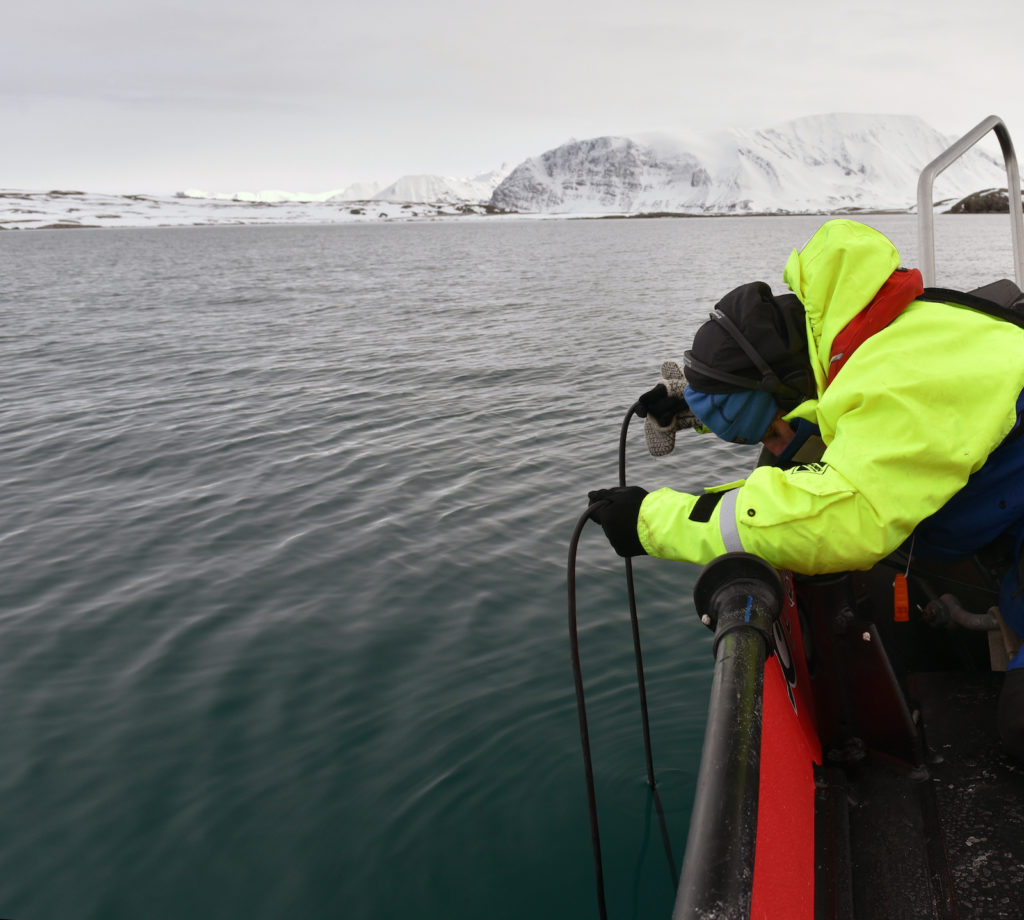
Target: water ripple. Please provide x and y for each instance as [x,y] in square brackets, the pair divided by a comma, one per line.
[282,564]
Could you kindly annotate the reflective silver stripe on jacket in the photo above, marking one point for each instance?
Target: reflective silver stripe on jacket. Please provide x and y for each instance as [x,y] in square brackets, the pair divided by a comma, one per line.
[727,522]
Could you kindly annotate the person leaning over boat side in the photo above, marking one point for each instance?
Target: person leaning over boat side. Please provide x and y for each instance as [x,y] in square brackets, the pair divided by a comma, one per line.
[919,407]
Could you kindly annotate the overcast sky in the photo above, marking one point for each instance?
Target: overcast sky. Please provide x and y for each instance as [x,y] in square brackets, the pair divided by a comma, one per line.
[312,95]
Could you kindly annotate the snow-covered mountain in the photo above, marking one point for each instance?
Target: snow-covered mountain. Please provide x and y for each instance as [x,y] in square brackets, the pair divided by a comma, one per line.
[821,163]
[444,188]
[818,164]
[417,189]
[360,191]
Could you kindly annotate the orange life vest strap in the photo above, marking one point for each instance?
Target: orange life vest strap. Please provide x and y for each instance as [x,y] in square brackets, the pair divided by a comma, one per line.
[901,288]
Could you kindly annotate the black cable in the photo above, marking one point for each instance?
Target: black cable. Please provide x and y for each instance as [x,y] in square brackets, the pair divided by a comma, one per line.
[622,442]
[581,706]
[639,658]
[646,725]
[581,711]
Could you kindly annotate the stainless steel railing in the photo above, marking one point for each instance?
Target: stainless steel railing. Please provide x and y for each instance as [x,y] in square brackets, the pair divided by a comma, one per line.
[925,205]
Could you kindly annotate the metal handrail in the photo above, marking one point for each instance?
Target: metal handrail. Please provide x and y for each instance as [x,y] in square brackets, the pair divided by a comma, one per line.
[926,217]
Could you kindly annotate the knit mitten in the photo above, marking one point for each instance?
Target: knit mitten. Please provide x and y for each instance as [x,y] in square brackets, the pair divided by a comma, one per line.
[666,411]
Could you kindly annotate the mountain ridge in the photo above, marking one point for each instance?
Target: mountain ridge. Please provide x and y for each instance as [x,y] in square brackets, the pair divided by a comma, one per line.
[815,164]
[836,162]
[822,164]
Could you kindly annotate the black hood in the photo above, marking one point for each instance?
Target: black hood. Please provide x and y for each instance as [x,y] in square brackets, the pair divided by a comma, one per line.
[753,341]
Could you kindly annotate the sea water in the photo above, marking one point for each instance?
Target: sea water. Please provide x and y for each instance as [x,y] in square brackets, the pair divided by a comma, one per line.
[283,540]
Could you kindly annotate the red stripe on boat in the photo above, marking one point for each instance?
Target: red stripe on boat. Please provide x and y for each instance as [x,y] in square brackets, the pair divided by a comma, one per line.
[783,886]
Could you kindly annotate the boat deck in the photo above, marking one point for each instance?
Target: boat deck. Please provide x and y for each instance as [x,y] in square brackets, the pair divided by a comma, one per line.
[942,841]
[979,793]
[919,810]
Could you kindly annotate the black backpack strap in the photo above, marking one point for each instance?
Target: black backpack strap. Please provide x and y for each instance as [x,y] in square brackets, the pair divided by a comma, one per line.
[981,304]
[1003,292]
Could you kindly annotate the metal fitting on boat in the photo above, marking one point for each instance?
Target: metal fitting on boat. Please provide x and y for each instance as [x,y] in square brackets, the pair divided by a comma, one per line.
[946,611]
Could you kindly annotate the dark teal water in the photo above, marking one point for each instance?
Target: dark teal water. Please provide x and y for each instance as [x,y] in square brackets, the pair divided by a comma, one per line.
[283,564]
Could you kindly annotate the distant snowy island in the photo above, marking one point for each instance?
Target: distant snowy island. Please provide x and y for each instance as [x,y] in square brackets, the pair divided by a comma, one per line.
[821,164]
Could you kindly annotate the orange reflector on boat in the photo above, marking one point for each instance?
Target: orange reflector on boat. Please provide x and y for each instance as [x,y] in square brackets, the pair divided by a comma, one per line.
[900,601]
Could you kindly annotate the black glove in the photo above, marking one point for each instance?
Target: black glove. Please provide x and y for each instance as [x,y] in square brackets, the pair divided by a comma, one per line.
[617,517]
[662,407]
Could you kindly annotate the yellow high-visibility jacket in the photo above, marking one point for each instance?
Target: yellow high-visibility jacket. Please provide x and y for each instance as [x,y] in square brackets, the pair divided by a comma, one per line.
[915,411]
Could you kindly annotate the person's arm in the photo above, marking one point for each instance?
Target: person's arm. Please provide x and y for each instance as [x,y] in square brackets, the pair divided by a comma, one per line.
[914,413]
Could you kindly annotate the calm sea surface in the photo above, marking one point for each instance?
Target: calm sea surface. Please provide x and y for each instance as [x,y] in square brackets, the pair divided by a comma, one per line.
[283,538]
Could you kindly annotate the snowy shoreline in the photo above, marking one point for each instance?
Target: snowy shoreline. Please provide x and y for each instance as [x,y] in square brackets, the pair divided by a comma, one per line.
[68,210]
[73,210]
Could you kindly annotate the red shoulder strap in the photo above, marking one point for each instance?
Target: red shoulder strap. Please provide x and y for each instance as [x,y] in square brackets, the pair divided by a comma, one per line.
[901,288]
